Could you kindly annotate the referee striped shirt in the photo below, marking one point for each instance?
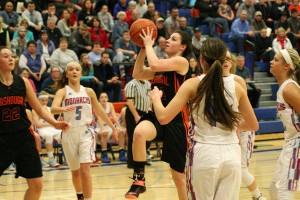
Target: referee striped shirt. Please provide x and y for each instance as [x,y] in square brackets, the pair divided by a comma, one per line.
[138,91]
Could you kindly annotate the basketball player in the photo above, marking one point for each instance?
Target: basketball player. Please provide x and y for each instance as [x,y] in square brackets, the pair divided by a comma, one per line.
[17,142]
[246,137]
[214,170]
[168,75]
[74,102]
[286,68]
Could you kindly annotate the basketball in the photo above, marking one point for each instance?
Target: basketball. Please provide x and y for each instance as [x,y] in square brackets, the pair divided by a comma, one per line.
[136,29]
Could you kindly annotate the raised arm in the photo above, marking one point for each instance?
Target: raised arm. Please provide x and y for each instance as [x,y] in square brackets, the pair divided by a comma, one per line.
[185,93]
[140,71]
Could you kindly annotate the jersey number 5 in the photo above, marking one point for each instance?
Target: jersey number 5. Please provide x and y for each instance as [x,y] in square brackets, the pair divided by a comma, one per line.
[10,114]
[78,112]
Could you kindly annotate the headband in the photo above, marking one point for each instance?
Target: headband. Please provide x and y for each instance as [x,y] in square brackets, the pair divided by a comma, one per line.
[286,56]
[72,62]
[43,96]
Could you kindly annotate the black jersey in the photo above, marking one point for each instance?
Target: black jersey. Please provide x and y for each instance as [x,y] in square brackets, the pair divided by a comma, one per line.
[12,106]
[169,83]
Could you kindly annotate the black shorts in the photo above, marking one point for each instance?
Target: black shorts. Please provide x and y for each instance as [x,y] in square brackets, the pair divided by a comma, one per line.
[20,148]
[174,137]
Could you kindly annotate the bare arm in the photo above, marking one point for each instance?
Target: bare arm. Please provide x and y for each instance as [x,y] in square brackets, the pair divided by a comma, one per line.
[37,122]
[132,109]
[56,107]
[140,71]
[185,93]
[100,113]
[248,121]
[114,115]
[291,95]
[35,104]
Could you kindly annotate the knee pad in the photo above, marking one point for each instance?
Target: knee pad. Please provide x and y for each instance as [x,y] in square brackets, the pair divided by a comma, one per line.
[247,178]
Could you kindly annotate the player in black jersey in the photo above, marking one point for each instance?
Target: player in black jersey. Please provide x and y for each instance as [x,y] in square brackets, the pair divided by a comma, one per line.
[167,74]
[17,142]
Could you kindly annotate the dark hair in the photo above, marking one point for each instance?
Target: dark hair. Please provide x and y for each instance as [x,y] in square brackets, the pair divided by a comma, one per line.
[216,108]
[105,52]
[186,40]
[95,43]
[31,42]
[63,39]
[23,69]
[96,19]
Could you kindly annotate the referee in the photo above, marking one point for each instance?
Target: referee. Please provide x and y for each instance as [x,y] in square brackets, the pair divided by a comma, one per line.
[138,104]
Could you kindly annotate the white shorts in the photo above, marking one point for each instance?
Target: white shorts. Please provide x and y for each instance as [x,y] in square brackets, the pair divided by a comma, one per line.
[287,170]
[109,133]
[247,139]
[214,172]
[78,146]
[49,133]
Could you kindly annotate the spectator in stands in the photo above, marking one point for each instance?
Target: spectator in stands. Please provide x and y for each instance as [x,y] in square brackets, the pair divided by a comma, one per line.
[45,47]
[36,64]
[125,49]
[263,47]
[4,35]
[234,4]
[249,7]
[96,52]
[99,35]
[87,79]
[150,12]
[119,27]
[294,5]
[18,45]
[51,14]
[29,34]
[172,22]
[243,71]
[73,17]
[159,49]
[197,41]
[129,11]
[64,25]
[281,41]
[283,23]
[226,12]
[11,18]
[257,24]
[161,31]
[157,15]
[106,19]
[277,8]
[62,55]
[194,67]
[294,24]
[264,7]
[50,81]
[80,40]
[183,26]
[34,18]
[87,13]
[142,8]
[46,130]
[121,5]
[209,14]
[240,32]
[104,72]
[106,136]
[24,72]
[54,33]
[138,104]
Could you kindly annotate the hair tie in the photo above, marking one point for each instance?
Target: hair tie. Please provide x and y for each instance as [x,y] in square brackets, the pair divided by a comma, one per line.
[286,56]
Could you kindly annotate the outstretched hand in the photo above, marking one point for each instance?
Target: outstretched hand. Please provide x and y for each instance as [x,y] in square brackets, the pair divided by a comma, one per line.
[155,93]
[62,125]
[147,37]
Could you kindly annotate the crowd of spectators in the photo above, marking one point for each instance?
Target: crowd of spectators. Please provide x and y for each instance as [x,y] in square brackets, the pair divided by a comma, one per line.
[47,36]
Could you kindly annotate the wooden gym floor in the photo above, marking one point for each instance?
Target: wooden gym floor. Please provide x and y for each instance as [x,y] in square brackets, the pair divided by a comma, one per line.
[111,182]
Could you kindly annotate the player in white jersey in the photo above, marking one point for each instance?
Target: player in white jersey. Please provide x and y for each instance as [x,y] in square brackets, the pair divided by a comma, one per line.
[75,102]
[214,167]
[286,68]
[246,137]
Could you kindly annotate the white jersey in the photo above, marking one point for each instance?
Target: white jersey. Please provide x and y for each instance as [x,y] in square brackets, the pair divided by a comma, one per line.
[204,131]
[82,115]
[288,115]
